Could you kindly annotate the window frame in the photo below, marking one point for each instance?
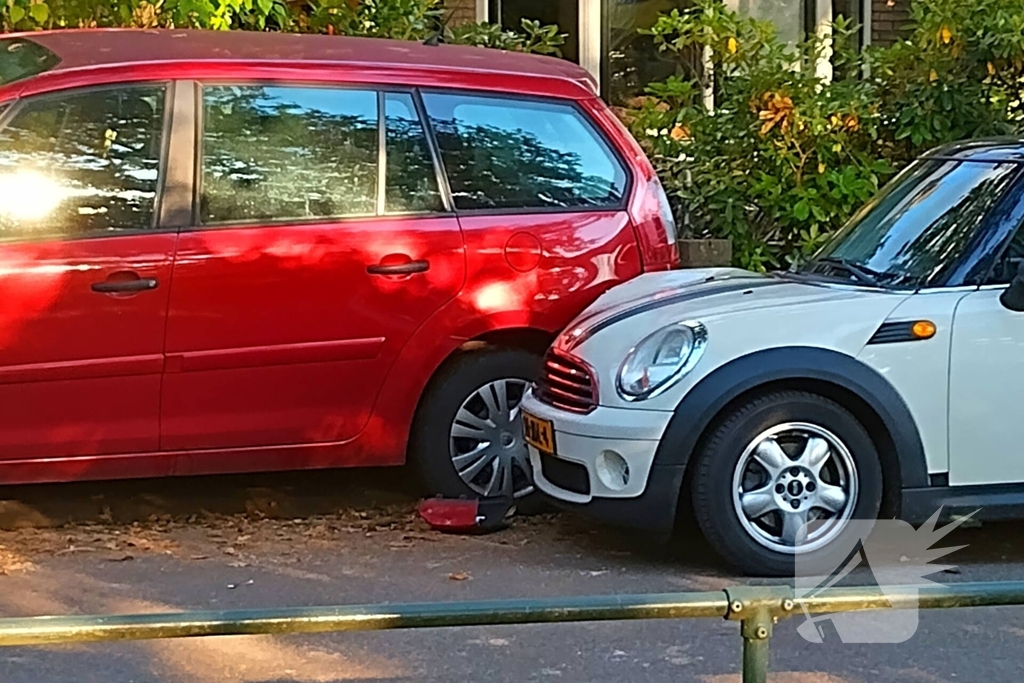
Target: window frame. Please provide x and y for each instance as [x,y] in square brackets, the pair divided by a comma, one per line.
[602,136]
[441,177]
[380,90]
[10,110]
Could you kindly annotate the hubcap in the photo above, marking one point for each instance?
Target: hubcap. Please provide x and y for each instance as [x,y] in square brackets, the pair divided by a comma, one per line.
[795,487]
[486,441]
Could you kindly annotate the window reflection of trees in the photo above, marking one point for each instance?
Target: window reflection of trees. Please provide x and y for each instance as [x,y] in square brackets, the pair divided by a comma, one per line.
[95,156]
[411,179]
[492,167]
[938,247]
[914,250]
[265,157]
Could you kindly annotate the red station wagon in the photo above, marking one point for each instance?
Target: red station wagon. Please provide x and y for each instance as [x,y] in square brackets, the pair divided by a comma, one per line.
[227,252]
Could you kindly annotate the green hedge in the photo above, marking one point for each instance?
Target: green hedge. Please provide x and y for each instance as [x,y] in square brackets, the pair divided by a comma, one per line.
[400,19]
[785,156]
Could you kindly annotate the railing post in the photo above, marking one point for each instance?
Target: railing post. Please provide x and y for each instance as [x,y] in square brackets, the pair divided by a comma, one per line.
[757,610]
[756,630]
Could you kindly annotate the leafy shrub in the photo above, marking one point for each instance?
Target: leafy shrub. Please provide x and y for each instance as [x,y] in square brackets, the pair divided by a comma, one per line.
[786,156]
[399,19]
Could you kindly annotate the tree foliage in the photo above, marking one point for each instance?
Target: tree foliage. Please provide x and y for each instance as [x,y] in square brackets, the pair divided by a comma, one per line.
[786,155]
[399,19]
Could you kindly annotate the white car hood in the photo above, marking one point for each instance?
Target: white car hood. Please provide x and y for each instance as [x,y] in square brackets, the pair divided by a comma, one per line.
[703,293]
[742,312]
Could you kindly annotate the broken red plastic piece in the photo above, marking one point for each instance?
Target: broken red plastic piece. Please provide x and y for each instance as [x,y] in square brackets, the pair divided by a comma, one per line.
[467,516]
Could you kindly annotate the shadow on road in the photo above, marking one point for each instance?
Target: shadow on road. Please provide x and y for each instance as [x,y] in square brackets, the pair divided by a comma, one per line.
[274,495]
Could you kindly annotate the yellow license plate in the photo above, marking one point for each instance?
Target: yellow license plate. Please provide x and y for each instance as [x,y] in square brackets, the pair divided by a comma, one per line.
[539,433]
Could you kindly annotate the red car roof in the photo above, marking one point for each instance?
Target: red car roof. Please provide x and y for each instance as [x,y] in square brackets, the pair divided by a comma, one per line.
[90,48]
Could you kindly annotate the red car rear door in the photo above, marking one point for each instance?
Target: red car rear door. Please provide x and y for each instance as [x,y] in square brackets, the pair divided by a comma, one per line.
[307,270]
[84,274]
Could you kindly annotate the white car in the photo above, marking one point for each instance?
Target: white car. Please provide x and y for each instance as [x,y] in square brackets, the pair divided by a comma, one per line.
[883,377]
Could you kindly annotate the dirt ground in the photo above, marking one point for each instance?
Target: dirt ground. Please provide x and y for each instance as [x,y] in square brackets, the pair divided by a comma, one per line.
[336,538]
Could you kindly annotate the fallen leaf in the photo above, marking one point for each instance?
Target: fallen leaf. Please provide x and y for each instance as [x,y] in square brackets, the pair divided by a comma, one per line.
[459,576]
[122,558]
[74,549]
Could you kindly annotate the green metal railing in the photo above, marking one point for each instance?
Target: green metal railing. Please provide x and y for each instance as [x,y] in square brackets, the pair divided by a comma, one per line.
[756,608]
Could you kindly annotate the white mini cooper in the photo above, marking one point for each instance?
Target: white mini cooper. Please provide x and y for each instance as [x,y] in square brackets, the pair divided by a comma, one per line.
[883,377]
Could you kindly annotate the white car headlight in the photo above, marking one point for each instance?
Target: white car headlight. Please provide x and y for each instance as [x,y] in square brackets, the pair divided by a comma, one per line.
[658,361]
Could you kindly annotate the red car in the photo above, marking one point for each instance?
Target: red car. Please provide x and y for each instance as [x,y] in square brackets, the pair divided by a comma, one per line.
[226,252]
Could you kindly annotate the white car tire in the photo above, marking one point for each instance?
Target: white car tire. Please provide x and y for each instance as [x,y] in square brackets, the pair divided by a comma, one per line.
[782,476]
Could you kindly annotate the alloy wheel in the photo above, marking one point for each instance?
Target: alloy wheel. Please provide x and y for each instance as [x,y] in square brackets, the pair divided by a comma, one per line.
[795,487]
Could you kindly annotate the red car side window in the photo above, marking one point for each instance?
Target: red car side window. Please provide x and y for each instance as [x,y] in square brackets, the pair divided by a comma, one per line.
[274,153]
[81,164]
[505,153]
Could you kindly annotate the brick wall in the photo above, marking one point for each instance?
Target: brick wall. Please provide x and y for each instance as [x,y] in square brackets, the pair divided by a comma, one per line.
[889,19]
[463,11]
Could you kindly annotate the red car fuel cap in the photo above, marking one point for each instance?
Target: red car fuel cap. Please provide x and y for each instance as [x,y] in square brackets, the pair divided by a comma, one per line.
[522,251]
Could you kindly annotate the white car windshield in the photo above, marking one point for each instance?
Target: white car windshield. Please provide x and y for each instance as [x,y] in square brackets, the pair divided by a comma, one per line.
[916,228]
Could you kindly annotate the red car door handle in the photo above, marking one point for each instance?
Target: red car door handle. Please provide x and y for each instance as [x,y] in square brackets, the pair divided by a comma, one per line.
[125,286]
[408,268]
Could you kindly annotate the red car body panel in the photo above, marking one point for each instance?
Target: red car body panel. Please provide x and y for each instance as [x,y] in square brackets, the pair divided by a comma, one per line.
[267,348]
[80,370]
[279,336]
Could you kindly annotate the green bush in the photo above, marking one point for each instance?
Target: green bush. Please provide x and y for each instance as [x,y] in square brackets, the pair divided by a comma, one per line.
[785,156]
[400,19]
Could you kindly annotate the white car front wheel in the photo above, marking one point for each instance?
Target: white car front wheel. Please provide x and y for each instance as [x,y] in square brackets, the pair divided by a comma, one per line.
[782,476]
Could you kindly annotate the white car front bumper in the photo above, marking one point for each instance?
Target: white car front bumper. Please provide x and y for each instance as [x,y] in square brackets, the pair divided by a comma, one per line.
[592,441]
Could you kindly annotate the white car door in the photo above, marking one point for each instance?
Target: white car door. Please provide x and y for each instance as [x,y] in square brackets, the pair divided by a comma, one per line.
[986,383]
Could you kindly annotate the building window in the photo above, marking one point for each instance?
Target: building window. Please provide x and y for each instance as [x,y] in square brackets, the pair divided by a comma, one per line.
[854,11]
[631,60]
[564,13]
[787,15]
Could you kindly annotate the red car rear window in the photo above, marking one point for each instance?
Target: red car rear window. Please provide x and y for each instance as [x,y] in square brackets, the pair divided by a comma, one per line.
[21,58]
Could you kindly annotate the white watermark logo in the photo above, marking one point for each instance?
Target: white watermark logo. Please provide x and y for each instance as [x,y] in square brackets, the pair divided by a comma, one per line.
[897,556]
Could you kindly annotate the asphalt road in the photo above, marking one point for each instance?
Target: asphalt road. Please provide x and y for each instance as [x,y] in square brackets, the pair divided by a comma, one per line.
[352,537]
